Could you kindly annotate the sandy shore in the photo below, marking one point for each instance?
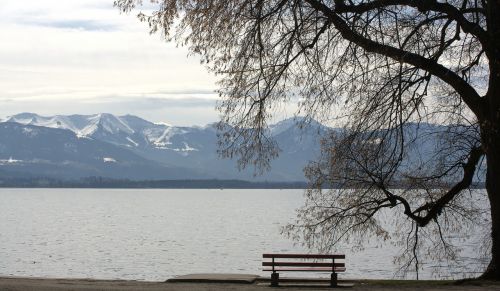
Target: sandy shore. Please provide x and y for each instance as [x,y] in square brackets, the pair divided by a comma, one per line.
[38,284]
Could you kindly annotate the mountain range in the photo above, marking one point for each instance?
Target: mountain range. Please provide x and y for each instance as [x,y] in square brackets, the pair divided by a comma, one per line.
[70,147]
[129,147]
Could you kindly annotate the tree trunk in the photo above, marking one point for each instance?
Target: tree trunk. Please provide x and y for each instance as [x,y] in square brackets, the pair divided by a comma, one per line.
[490,139]
[490,136]
[493,189]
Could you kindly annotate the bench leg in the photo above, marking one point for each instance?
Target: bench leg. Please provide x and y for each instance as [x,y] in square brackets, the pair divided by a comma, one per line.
[274,279]
[333,282]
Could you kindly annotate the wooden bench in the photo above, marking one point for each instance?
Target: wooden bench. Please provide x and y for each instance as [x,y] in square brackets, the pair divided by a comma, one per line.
[307,263]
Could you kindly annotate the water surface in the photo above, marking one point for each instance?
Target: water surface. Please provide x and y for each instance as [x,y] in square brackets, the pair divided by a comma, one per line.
[156,234]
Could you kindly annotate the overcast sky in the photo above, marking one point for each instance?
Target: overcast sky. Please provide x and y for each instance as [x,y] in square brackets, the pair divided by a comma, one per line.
[83,56]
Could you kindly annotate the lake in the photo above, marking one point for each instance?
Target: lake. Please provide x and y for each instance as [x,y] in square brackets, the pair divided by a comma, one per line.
[154,235]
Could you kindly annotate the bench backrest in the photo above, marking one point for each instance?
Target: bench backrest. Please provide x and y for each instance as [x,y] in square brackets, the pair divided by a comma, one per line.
[307,260]
[304,256]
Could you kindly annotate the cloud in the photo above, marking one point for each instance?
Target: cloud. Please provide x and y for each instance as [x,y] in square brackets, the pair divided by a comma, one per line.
[185,111]
[84,56]
[154,100]
[145,102]
[89,25]
[186,91]
[84,15]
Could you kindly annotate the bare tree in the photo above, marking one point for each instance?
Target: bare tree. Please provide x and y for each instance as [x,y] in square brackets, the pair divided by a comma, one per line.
[381,65]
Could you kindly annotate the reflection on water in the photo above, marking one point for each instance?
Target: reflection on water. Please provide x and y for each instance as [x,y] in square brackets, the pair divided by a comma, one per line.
[154,234]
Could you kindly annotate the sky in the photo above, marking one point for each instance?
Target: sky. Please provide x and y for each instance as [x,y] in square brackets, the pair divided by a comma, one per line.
[85,57]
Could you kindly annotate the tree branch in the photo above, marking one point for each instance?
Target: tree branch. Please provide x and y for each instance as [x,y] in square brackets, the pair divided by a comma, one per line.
[427,5]
[466,91]
[435,208]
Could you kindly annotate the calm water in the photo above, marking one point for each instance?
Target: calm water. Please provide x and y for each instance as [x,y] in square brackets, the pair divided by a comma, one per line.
[155,234]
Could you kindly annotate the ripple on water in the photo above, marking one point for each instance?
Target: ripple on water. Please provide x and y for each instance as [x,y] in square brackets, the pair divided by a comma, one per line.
[156,234]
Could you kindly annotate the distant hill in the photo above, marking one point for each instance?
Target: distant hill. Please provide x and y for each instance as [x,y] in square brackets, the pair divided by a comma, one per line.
[75,146]
[59,153]
[129,147]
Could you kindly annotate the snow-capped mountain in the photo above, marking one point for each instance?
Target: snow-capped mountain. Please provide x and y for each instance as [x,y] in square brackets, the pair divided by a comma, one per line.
[60,153]
[73,146]
[126,131]
[193,148]
[82,125]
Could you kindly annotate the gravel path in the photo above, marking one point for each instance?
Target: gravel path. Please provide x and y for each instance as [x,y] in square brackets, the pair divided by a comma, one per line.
[32,284]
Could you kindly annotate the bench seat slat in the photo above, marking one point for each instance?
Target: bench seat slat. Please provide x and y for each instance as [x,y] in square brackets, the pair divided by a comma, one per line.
[304,256]
[317,269]
[302,264]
